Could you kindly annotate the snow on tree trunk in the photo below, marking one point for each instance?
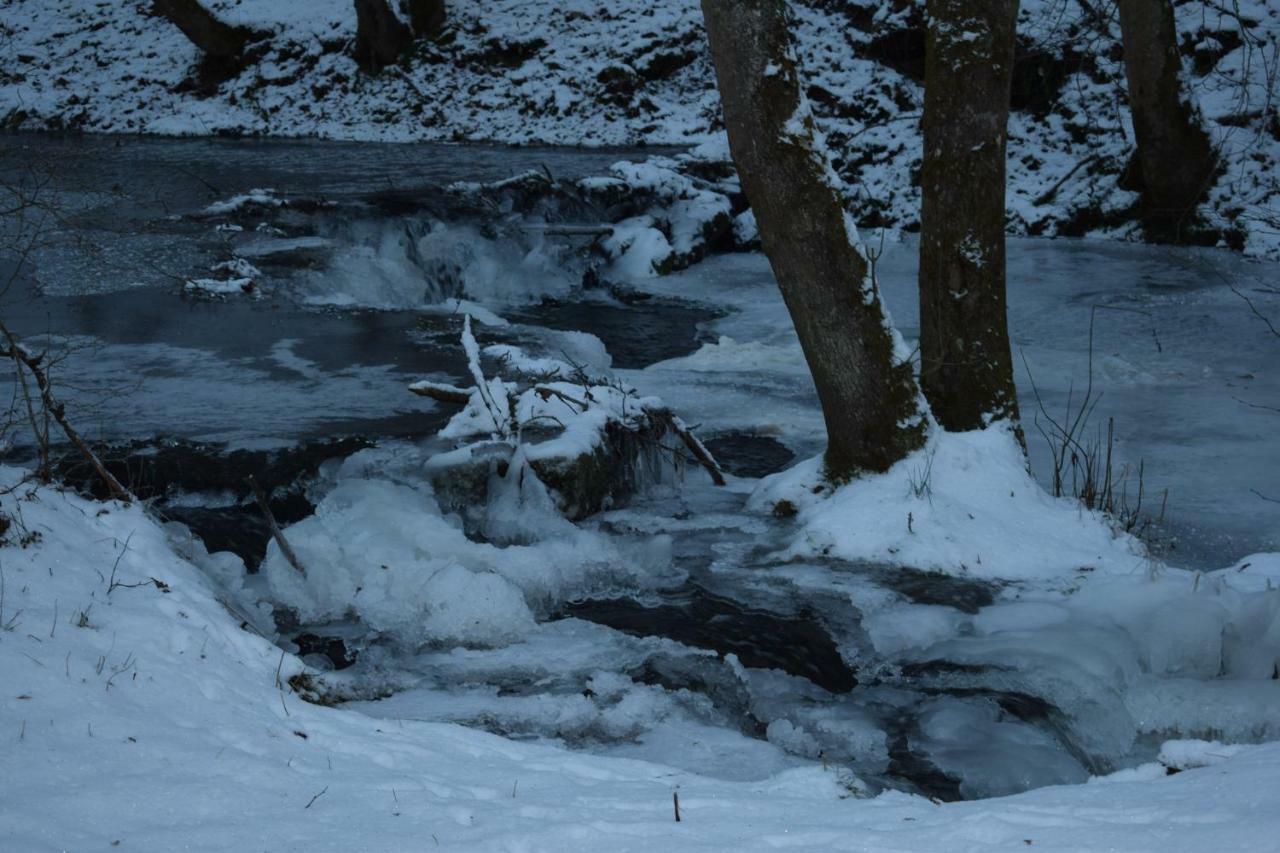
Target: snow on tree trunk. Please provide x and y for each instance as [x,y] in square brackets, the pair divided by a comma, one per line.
[381,37]
[966,370]
[1175,156]
[869,397]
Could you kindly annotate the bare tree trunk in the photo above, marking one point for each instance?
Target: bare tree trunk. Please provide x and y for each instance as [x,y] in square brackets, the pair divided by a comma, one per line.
[869,397]
[426,17]
[1175,155]
[381,37]
[214,37]
[966,370]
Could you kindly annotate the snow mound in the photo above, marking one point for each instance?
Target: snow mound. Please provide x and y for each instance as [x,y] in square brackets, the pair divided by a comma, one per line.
[965,504]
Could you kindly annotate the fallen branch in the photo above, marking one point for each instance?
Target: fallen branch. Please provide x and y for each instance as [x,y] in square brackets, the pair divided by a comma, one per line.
[441,392]
[57,410]
[276,532]
[1047,196]
[699,451]
[547,393]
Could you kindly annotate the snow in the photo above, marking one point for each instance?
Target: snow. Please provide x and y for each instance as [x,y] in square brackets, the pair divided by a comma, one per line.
[973,509]
[159,691]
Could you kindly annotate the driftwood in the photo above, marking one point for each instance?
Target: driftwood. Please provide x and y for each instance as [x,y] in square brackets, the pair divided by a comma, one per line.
[57,410]
[276,532]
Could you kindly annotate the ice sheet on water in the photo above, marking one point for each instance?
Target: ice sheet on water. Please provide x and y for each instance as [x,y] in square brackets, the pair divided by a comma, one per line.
[989,752]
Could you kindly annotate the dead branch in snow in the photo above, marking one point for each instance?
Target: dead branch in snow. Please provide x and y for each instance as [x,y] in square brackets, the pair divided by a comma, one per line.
[276,532]
[52,407]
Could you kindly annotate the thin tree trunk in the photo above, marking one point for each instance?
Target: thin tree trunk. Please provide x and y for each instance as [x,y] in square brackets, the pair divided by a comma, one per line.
[1175,155]
[869,397]
[966,370]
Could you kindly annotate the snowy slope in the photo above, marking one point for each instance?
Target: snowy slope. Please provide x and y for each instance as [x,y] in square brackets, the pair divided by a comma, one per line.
[581,73]
[142,717]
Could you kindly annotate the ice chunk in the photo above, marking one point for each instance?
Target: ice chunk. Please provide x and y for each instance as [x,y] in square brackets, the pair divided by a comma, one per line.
[989,753]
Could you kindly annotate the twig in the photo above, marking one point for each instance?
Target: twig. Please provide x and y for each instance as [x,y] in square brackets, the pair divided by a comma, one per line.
[111,583]
[316,797]
[675,804]
[1047,196]
[276,532]
[547,393]
[16,351]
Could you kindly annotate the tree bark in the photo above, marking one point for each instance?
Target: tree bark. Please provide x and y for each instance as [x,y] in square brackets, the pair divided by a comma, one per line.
[214,37]
[869,397]
[426,17]
[966,370]
[381,37]
[1175,155]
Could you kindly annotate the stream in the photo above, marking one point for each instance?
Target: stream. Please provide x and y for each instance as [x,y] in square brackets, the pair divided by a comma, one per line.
[733,660]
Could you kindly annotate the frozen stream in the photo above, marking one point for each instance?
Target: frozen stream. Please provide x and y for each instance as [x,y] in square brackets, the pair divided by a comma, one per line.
[669,629]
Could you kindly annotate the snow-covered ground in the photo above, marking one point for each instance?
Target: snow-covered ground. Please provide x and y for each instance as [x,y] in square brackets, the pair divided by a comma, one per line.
[581,73]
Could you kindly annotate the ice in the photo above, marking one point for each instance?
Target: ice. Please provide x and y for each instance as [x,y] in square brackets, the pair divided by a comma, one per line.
[1241,711]
[989,753]
[380,550]
[262,197]
[914,626]
[414,263]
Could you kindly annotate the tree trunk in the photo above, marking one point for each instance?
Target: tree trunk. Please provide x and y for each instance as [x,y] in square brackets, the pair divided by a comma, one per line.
[427,17]
[869,398]
[966,370]
[214,38]
[1175,156]
[381,37]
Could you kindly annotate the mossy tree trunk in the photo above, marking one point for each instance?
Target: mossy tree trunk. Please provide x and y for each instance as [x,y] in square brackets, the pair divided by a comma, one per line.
[966,370]
[869,397]
[1176,158]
